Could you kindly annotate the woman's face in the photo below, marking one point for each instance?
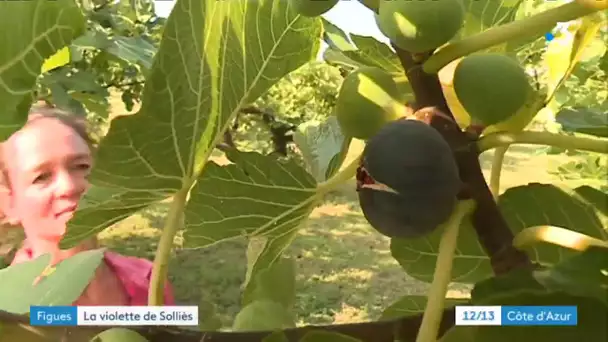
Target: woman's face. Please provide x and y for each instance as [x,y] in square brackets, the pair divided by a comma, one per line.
[48,164]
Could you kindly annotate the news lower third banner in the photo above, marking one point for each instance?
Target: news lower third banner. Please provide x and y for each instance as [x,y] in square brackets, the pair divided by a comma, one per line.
[113,315]
[517,315]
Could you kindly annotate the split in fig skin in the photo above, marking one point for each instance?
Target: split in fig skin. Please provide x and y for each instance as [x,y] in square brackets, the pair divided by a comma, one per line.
[408,180]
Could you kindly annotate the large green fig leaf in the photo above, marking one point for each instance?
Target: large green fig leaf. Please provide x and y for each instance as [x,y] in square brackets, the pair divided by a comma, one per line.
[256,196]
[584,274]
[489,13]
[482,15]
[275,283]
[335,37]
[335,57]
[38,29]
[358,50]
[214,58]
[418,256]
[581,209]
[61,287]
[372,52]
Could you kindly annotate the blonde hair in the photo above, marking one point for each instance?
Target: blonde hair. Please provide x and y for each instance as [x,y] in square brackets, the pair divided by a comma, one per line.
[38,111]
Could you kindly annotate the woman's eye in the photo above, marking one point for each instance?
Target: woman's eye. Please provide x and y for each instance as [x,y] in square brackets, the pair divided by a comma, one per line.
[82,167]
[43,177]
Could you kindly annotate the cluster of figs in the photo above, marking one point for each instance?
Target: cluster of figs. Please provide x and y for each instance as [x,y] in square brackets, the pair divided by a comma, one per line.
[408,180]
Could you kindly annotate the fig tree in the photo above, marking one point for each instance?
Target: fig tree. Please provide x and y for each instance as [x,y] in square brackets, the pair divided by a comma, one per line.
[491,87]
[408,180]
[312,8]
[368,99]
[420,25]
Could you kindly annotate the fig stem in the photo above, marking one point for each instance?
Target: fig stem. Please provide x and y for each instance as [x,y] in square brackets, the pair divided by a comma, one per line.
[342,176]
[535,25]
[502,139]
[160,266]
[497,160]
[443,273]
[558,236]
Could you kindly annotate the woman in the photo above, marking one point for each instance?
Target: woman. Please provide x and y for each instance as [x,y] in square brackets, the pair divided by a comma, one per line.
[45,168]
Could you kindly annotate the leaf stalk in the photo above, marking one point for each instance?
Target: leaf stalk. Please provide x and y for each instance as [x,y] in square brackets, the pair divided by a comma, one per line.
[161,260]
[342,176]
[443,273]
[535,25]
[557,236]
[502,139]
[497,161]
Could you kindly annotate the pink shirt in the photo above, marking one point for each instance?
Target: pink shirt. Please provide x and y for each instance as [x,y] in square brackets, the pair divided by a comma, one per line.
[134,274]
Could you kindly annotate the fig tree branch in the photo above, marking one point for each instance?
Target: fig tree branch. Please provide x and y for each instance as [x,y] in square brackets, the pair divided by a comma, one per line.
[497,162]
[504,139]
[403,328]
[280,131]
[492,230]
[534,25]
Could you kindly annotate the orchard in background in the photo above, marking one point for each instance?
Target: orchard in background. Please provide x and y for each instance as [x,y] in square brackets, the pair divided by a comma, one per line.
[451,86]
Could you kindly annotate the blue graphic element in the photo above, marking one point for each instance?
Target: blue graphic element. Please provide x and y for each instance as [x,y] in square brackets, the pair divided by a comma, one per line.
[53,315]
[539,315]
[549,36]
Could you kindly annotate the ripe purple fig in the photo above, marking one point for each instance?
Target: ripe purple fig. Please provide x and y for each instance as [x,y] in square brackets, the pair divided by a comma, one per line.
[408,180]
